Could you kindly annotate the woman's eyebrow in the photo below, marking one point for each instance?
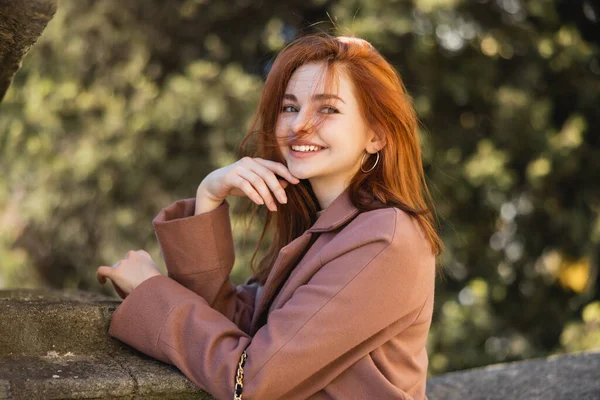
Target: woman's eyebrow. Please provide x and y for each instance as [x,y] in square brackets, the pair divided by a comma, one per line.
[320,96]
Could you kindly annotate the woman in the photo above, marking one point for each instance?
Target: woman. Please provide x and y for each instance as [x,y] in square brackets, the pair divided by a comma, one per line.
[340,306]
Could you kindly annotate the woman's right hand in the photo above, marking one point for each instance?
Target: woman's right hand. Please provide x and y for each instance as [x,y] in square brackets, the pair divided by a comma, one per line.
[252,177]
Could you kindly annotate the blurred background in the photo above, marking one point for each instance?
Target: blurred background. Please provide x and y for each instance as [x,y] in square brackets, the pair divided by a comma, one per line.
[123,107]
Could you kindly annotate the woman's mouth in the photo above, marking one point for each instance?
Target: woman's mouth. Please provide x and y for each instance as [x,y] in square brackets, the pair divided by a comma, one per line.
[305,153]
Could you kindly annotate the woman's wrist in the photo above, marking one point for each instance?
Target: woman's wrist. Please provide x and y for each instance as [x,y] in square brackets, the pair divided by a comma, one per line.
[205,202]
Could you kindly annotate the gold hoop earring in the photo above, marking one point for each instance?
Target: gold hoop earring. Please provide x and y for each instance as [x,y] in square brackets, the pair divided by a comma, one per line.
[363,161]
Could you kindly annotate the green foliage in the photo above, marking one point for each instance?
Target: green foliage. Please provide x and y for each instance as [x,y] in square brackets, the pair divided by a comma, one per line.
[120,109]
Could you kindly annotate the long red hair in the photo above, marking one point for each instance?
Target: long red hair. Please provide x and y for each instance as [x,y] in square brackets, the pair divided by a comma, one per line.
[397,180]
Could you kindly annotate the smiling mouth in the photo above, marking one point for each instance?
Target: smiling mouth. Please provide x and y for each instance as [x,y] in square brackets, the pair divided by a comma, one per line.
[303,154]
[318,148]
[308,151]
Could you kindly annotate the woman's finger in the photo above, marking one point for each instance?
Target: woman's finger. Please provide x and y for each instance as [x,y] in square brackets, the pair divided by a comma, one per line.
[271,180]
[240,186]
[247,188]
[104,272]
[279,168]
[251,183]
[261,186]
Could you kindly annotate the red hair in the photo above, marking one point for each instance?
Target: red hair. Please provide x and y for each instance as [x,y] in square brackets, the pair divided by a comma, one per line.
[397,180]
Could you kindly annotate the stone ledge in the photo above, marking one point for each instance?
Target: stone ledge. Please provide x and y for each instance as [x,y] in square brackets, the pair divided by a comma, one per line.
[93,377]
[55,345]
[561,377]
[37,321]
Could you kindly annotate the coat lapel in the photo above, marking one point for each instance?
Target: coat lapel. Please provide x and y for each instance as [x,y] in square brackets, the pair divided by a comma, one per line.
[339,212]
[288,255]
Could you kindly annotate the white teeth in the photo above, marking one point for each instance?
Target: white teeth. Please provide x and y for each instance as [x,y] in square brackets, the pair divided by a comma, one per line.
[306,148]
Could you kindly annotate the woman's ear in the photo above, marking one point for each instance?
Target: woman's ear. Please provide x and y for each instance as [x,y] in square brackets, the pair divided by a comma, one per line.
[376,141]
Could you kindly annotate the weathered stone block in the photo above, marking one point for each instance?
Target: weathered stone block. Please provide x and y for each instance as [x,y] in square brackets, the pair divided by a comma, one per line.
[561,377]
[55,345]
[35,322]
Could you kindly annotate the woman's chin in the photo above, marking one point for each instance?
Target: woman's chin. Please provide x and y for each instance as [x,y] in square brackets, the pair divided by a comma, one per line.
[299,173]
[301,176]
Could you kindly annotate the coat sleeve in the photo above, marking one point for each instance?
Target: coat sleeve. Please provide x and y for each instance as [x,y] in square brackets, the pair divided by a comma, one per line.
[382,279]
[199,254]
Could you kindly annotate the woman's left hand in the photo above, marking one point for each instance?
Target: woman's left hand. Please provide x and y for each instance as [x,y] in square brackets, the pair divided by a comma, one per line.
[128,273]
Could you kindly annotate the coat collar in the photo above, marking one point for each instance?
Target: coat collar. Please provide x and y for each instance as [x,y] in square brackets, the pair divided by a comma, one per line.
[339,212]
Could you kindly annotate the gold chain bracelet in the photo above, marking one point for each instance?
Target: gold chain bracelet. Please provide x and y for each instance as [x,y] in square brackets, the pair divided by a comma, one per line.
[239,385]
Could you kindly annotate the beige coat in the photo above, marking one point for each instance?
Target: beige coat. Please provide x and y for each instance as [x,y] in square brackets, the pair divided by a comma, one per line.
[350,321]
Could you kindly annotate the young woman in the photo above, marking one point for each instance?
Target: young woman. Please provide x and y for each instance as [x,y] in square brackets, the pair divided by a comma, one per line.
[341,304]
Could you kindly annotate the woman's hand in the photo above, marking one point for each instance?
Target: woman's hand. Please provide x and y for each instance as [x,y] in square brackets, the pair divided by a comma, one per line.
[128,273]
[252,177]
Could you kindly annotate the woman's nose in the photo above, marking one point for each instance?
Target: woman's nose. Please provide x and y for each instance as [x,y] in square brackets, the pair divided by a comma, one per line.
[301,122]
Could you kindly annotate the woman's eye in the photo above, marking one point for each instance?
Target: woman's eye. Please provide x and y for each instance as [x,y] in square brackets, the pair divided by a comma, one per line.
[330,110]
[288,108]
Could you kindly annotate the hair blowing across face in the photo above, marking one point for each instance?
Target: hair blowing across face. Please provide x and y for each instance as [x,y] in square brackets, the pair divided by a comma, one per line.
[397,180]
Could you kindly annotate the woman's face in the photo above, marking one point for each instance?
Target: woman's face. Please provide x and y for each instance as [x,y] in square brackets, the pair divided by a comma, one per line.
[343,134]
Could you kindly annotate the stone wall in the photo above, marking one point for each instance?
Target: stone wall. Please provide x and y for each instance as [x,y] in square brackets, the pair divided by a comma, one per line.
[55,345]
[567,376]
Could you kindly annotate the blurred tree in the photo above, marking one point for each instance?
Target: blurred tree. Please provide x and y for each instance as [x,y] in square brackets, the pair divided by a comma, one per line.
[122,108]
